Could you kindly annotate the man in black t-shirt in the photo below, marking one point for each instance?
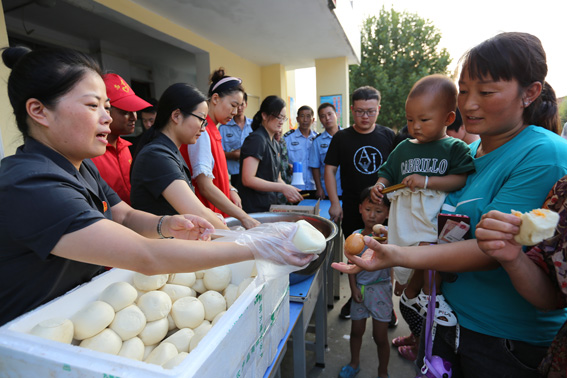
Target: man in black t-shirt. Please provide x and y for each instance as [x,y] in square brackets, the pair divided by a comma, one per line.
[359,151]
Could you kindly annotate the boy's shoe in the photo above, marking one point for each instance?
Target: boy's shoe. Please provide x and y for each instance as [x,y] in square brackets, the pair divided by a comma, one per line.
[393,320]
[348,371]
[345,310]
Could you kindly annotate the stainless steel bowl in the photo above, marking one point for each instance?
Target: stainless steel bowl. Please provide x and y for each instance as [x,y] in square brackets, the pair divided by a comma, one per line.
[325,226]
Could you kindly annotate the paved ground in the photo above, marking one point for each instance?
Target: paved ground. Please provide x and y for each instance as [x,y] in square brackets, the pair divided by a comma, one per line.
[337,353]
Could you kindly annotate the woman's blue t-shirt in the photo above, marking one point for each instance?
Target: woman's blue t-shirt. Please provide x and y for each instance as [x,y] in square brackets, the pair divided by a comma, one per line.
[518,176]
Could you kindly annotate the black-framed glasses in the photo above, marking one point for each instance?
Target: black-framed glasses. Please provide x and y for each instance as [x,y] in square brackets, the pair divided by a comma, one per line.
[362,113]
[204,122]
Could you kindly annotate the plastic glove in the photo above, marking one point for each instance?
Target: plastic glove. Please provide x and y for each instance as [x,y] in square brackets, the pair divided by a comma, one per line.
[271,244]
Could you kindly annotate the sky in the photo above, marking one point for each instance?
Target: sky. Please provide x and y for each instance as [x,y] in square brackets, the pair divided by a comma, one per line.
[465,24]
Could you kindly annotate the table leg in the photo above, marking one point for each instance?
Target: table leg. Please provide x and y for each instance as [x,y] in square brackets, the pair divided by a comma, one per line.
[298,334]
[329,276]
[320,329]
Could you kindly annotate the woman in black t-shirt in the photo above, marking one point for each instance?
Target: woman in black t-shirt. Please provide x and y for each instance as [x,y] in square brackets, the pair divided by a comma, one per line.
[260,160]
[160,177]
[59,221]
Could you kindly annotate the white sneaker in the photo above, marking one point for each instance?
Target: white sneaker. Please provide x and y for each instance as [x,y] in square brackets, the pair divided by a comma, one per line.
[416,304]
[444,314]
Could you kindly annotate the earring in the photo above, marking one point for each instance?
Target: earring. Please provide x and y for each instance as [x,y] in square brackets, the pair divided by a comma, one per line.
[526,103]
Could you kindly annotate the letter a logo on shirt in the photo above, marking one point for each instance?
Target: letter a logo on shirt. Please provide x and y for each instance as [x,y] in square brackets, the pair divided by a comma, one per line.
[367,160]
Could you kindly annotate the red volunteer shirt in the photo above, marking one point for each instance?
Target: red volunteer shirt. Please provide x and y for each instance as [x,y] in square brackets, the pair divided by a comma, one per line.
[114,168]
[220,169]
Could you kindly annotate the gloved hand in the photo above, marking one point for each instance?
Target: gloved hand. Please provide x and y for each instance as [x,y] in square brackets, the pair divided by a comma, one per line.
[272,246]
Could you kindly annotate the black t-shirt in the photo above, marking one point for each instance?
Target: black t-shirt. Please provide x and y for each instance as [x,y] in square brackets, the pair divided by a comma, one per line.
[359,156]
[43,198]
[259,145]
[156,166]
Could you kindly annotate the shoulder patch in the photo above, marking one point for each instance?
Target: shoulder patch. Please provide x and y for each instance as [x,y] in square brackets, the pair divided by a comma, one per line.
[317,136]
[289,133]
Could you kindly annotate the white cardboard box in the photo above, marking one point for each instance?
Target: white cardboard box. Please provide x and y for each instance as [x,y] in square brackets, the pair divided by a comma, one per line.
[242,344]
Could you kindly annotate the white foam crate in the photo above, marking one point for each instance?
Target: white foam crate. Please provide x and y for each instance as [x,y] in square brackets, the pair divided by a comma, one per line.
[242,344]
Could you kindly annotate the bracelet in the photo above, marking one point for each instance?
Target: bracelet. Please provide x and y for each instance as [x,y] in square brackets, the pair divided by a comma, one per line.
[159,228]
[233,189]
[426,181]
[381,184]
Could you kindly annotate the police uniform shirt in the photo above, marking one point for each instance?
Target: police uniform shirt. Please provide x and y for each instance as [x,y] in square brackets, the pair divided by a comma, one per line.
[259,146]
[298,151]
[156,166]
[317,155]
[43,198]
[232,138]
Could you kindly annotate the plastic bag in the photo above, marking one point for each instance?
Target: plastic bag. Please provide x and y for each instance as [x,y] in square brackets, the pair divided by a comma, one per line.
[272,246]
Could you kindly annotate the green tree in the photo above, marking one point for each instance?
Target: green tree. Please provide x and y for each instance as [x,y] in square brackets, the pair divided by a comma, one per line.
[397,50]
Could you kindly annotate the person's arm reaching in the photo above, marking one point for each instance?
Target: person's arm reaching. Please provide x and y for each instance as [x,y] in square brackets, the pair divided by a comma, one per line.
[448,183]
[335,211]
[211,192]
[249,179]
[319,192]
[462,256]
[495,234]
[108,243]
[184,201]
[186,226]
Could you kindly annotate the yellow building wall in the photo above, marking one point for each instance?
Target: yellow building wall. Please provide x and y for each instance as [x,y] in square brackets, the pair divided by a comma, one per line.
[258,81]
[219,56]
[274,82]
[11,136]
[332,79]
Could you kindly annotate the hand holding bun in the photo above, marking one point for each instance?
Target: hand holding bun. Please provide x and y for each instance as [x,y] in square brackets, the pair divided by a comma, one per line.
[308,239]
[354,244]
[537,225]
[380,231]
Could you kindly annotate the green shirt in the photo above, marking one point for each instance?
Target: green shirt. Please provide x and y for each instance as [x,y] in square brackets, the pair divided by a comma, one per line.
[447,156]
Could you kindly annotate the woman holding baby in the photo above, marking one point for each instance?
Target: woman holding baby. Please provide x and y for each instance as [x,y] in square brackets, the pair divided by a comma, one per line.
[503,97]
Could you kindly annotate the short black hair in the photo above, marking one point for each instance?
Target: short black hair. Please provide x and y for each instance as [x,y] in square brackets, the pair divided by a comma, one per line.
[458,123]
[326,105]
[150,109]
[305,107]
[440,86]
[366,93]
[44,74]
[365,195]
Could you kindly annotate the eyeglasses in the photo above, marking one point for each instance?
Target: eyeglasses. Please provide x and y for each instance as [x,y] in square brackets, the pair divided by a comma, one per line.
[281,118]
[362,113]
[204,122]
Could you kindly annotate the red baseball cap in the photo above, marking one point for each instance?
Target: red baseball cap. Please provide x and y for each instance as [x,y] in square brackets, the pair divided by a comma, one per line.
[121,95]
